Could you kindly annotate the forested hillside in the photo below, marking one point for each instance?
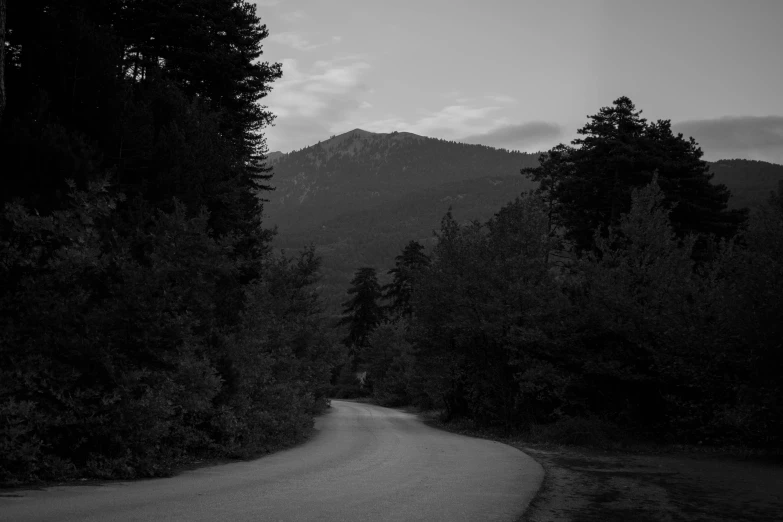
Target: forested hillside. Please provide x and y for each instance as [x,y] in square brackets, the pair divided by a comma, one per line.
[624,298]
[360,196]
[750,181]
[144,321]
[358,170]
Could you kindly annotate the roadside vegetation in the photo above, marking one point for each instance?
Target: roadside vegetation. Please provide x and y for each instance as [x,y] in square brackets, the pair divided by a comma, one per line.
[624,296]
[144,321]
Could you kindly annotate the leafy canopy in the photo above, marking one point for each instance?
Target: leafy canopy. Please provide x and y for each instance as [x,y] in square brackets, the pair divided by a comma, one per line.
[589,183]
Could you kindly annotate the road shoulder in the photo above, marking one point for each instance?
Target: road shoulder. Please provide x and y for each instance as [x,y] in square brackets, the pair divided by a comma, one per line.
[646,484]
[584,484]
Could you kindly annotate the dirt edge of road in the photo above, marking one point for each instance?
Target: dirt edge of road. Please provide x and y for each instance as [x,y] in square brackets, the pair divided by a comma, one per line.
[584,484]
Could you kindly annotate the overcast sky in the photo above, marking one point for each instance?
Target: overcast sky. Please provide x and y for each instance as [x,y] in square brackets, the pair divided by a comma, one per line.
[525,74]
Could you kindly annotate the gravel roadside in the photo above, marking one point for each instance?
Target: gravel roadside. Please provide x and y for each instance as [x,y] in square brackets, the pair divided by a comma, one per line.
[589,485]
[646,484]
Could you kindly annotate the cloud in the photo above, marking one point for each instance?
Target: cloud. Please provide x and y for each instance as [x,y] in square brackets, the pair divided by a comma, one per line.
[266,3]
[474,123]
[293,15]
[295,40]
[312,103]
[518,137]
[749,137]
[454,119]
[365,105]
[502,98]
[450,122]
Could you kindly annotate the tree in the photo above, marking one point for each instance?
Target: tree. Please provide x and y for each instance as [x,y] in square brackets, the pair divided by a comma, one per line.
[162,327]
[643,296]
[2,57]
[692,353]
[753,310]
[362,313]
[485,300]
[389,362]
[211,50]
[406,267]
[589,184]
[101,87]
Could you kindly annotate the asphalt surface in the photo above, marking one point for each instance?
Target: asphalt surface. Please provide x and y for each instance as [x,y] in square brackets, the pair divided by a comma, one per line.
[364,463]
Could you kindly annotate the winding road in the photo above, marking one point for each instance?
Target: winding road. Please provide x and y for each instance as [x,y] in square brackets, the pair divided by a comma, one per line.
[364,463]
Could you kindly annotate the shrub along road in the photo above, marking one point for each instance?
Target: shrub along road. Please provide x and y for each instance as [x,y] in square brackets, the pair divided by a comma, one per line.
[364,462]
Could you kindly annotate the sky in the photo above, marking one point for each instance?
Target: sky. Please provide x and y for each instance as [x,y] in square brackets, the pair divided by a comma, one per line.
[525,75]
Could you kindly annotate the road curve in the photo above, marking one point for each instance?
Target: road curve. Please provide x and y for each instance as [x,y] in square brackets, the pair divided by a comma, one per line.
[364,463]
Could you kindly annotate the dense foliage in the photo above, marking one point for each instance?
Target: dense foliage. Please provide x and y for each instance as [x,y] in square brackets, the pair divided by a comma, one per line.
[361,197]
[144,320]
[399,292]
[362,312]
[508,332]
[512,324]
[589,184]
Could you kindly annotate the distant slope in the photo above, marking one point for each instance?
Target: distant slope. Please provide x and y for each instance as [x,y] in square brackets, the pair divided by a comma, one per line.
[272,157]
[361,196]
[360,170]
[750,181]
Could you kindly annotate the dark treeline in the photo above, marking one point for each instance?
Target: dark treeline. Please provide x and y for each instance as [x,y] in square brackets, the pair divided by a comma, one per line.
[623,296]
[144,320]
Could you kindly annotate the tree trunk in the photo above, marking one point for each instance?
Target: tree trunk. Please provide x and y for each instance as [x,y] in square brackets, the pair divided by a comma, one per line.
[2,57]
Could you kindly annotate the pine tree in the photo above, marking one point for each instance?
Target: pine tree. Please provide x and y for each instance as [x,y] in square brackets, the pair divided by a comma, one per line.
[165,94]
[363,312]
[2,57]
[589,184]
[400,291]
[163,309]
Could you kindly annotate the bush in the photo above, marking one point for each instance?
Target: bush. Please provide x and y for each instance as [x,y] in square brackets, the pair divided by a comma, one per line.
[122,355]
[635,336]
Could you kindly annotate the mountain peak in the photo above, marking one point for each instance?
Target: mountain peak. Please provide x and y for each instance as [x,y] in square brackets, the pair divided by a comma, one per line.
[336,140]
[273,157]
[361,132]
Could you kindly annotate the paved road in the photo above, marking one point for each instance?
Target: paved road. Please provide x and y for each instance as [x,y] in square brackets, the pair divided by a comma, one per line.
[365,463]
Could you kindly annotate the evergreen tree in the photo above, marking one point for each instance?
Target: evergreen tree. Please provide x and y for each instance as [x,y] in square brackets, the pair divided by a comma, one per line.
[389,363]
[406,266]
[162,327]
[175,112]
[589,184]
[362,313]
[2,57]
[210,51]
[480,311]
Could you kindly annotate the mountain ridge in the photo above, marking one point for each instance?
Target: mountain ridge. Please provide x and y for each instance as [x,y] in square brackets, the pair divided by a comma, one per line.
[359,197]
[363,168]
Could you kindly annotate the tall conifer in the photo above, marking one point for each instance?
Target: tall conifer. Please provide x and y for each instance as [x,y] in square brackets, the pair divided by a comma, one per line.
[362,312]
[589,183]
